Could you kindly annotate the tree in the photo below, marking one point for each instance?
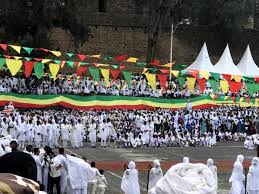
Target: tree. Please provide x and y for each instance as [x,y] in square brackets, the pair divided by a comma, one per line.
[227,17]
[23,19]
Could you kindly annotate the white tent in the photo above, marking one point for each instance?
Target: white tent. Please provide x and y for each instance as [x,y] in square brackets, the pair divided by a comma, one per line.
[247,65]
[225,65]
[202,62]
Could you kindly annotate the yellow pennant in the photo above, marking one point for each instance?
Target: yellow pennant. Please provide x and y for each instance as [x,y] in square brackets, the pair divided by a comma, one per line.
[54,68]
[132,60]
[224,85]
[45,60]
[190,81]
[16,48]
[103,65]
[17,58]
[95,56]
[144,70]
[13,65]
[226,97]
[205,74]
[175,73]
[241,99]
[237,78]
[56,53]
[151,78]
[106,73]
[168,65]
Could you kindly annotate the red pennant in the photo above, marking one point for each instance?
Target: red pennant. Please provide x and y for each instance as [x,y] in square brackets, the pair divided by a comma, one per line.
[121,58]
[235,86]
[28,67]
[122,67]
[202,83]
[4,46]
[194,73]
[227,76]
[162,78]
[115,73]
[37,59]
[76,63]
[166,71]
[81,57]
[7,56]
[233,98]
[155,62]
[81,70]
[62,64]
[247,99]
[43,49]
[257,79]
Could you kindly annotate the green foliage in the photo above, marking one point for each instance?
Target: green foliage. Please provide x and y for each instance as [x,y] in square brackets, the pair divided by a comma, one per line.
[21,20]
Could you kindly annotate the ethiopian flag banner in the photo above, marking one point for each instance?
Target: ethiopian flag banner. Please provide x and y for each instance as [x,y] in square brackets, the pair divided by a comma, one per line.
[118,102]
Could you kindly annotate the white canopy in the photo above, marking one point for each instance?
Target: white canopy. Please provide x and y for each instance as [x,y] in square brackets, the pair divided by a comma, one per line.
[202,62]
[225,65]
[247,65]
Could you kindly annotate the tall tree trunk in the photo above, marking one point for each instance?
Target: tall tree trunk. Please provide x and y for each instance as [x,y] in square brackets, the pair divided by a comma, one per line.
[154,31]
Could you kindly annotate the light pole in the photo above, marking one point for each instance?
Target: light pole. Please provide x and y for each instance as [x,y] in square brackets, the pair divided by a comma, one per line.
[173,28]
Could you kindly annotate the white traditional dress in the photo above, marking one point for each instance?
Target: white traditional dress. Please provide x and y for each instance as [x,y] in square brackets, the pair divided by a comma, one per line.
[253,177]
[155,174]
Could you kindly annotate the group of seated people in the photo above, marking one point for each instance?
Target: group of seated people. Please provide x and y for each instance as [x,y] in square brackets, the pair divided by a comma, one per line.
[87,86]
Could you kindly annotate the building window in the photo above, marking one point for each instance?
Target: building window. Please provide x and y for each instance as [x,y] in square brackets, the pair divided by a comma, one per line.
[102,5]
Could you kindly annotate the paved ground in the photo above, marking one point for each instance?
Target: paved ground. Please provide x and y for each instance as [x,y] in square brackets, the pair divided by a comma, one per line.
[114,159]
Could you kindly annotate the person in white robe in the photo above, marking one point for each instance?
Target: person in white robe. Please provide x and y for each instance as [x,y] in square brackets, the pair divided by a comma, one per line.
[30,132]
[36,157]
[64,133]
[130,183]
[213,168]
[101,183]
[155,174]
[79,133]
[21,133]
[93,183]
[253,177]
[38,136]
[63,169]
[103,133]
[145,133]
[45,171]
[92,133]
[237,177]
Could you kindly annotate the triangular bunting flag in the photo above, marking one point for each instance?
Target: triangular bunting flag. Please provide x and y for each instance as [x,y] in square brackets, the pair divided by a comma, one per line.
[81,57]
[106,74]
[95,56]
[81,70]
[127,76]
[168,65]
[151,78]
[4,46]
[70,63]
[16,48]
[141,64]
[115,73]
[17,58]
[155,62]
[121,58]
[43,49]
[237,78]
[213,85]
[54,68]
[204,74]
[175,73]
[94,73]
[202,83]
[162,79]
[14,66]
[28,67]
[216,76]
[224,86]
[45,60]
[235,87]
[28,58]
[227,76]
[181,81]
[2,62]
[39,70]
[190,81]
[56,53]
[28,49]
[132,60]
[69,55]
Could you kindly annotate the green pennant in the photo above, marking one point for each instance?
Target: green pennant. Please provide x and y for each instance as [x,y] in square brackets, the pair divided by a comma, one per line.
[28,49]
[141,64]
[115,66]
[248,79]
[57,61]
[183,72]
[39,70]
[94,73]
[216,76]
[70,63]
[28,58]
[2,62]
[127,76]
[252,88]
[179,67]
[152,70]
[213,84]
[181,81]
[69,55]
[108,58]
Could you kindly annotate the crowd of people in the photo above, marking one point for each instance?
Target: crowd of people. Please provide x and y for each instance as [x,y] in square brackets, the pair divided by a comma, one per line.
[129,128]
[87,86]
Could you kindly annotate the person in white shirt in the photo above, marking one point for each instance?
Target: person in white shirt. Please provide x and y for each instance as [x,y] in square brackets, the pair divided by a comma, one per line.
[36,157]
[253,177]
[213,168]
[63,177]
[155,174]
[101,183]
[93,183]
[55,173]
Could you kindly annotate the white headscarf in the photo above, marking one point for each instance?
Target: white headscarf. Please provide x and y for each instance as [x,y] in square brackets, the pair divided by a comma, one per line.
[156,163]
[186,160]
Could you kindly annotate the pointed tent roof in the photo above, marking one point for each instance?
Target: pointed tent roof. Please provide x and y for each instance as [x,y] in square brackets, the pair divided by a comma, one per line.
[202,61]
[225,65]
[247,65]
